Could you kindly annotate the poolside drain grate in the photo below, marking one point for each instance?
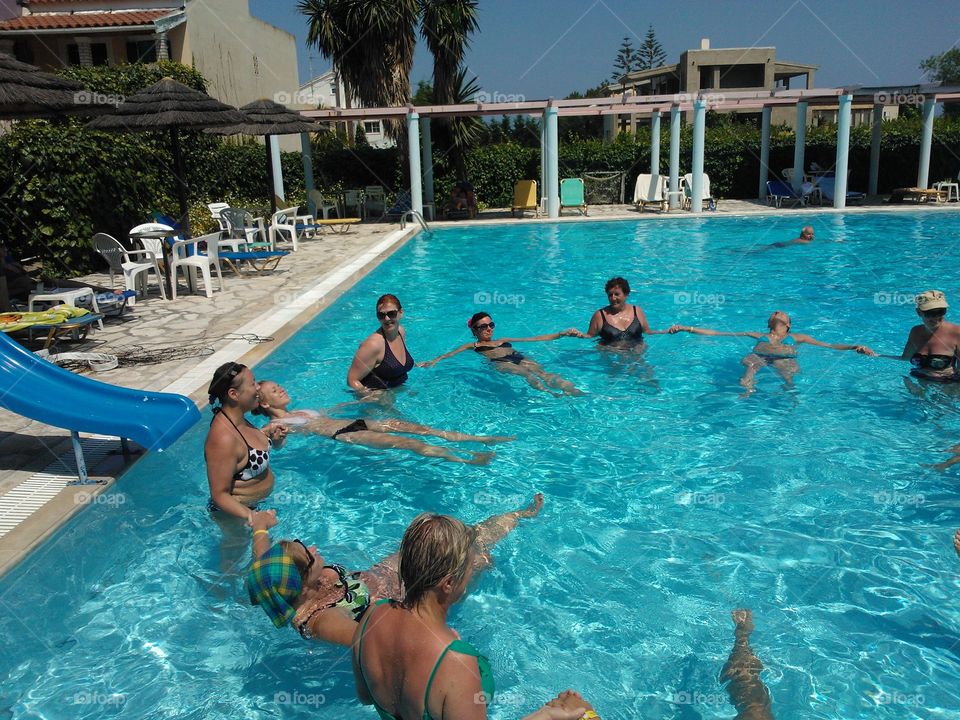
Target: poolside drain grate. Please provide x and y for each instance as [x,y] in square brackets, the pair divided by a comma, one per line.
[37,490]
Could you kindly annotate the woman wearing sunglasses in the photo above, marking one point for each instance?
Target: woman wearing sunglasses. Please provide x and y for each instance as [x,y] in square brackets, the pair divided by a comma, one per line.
[382,360]
[293,583]
[933,347]
[505,359]
[275,401]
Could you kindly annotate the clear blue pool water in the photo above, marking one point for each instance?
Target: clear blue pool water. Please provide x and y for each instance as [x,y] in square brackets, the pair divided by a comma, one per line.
[669,500]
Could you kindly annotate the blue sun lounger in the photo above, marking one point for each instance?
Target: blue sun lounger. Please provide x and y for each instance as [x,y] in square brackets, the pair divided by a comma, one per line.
[827,186]
[259,260]
[779,192]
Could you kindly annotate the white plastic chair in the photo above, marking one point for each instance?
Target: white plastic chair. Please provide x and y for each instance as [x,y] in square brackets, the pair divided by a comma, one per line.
[688,190]
[373,195]
[322,205]
[284,223]
[122,261]
[353,199]
[215,209]
[649,191]
[196,262]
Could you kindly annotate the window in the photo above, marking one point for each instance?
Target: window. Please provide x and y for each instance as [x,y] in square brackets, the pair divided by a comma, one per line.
[22,51]
[144,51]
[372,127]
[98,54]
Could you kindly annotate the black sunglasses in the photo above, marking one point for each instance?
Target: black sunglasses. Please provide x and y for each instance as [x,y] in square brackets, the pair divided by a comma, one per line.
[484,326]
[939,312]
[310,556]
[225,381]
[391,314]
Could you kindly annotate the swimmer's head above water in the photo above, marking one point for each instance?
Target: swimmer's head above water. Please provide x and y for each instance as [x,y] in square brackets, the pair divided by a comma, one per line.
[272,395]
[932,308]
[481,325]
[233,383]
[779,317]
[436,554]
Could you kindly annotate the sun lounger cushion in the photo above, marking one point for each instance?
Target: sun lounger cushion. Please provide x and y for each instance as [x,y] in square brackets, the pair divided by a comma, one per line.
[59,315]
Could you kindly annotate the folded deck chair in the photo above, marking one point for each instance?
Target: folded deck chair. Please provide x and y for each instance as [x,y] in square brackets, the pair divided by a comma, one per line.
[704,186]
[572,195]
[779,192]
[827,186]
[649,191]
[525,198]
[259,261]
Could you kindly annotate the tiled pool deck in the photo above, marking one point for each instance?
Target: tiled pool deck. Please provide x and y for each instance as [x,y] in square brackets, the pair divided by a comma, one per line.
[274,304]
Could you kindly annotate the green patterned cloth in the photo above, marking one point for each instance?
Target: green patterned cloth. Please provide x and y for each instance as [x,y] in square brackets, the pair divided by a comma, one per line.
[273,582]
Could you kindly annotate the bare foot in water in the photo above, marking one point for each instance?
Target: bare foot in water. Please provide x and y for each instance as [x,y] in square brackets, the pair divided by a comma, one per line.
[494,439]
[570,700]
[956,542]
[533,509]
[481,458]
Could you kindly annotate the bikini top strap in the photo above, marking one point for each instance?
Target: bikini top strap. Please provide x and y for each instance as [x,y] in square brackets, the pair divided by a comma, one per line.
[363,631]
[237,429]
[464,648]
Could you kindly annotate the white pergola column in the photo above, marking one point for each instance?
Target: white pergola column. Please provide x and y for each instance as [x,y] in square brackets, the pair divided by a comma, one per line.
[278,195]
[306,153]
[876,127]
[699,124]
[413,147]
[426,159]
[843,151]
[926,139]
[655,143]
[764,151]
[543,162]
[799,145]
[553,163]
[609,128]
[674,155]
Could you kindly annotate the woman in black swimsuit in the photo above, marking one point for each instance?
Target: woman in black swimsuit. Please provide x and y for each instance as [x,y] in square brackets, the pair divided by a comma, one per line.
[506,359]
[933,348]
[382,360]
[620,324]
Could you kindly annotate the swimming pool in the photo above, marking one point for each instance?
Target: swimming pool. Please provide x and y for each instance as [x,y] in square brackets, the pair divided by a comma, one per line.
[669,500]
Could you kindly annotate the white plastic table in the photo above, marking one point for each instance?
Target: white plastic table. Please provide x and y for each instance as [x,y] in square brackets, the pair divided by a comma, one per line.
[65,296]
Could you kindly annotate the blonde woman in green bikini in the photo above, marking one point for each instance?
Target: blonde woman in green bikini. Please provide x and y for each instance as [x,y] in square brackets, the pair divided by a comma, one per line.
[407,662]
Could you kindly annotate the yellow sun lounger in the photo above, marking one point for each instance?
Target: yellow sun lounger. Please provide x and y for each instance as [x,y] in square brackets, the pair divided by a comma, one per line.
[525,198]
[338,225]
[56,321]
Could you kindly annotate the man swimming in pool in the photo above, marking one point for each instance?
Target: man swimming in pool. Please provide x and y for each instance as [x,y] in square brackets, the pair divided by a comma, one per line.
[775,348]
[275,402]
[805,238]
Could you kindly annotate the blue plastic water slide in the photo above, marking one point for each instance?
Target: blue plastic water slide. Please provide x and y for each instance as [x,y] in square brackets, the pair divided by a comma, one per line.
[39,390]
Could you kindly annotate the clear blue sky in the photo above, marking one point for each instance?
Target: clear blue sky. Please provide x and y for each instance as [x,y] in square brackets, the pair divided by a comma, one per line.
[549,48]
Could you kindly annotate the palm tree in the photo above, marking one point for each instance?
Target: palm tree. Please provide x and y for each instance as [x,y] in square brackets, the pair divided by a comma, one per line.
[371,43]
[446,26]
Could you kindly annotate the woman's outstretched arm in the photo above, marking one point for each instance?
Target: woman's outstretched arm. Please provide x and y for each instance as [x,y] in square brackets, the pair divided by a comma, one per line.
[862,349]
[707,331]
[431,363]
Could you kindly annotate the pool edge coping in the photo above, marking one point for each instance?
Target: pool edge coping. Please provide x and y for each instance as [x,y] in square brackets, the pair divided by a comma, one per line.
[280,323]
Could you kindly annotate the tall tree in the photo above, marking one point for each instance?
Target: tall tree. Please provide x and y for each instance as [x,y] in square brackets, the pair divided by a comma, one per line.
[626,60]
[650,54]
[446,26]
[945,69]
[371,42]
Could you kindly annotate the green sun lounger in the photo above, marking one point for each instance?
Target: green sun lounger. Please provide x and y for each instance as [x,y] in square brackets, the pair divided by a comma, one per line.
[572,195]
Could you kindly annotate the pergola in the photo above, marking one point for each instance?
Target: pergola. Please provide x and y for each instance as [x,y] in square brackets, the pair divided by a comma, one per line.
[421,158]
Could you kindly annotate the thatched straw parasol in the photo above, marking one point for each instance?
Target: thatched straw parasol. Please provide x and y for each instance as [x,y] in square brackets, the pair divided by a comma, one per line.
[28,92]
[172,106]
[266,117]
